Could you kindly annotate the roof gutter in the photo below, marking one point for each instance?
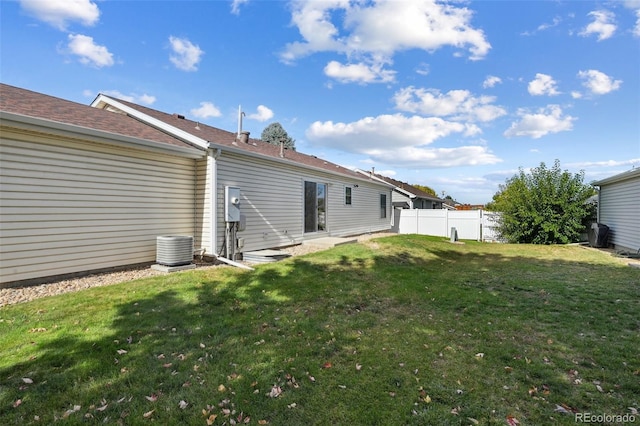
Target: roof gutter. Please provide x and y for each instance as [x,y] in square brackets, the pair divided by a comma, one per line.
[34,124]
[102,101]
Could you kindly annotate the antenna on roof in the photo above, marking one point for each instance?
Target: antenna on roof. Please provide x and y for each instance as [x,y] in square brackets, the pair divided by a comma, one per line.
[240,114]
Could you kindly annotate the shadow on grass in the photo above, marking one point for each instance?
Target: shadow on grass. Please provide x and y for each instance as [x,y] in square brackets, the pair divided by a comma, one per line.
[415,313]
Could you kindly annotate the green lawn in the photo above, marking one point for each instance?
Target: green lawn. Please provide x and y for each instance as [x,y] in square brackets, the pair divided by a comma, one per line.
[401,330]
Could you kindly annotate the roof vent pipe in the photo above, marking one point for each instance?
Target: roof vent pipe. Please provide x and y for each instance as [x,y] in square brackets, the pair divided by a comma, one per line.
[240,114]
[244,137]
[281,149]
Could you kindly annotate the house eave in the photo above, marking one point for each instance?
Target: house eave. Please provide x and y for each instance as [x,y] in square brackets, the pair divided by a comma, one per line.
[102,101]
[35,124]
[630,174]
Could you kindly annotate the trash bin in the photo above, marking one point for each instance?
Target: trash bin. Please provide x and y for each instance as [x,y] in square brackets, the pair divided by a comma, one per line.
[598,235]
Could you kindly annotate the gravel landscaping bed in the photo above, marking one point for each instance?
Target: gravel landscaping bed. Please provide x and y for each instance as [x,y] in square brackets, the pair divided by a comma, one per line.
[13,295]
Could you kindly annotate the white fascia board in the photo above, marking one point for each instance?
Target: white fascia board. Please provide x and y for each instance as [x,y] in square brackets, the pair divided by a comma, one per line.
[103,100]
[629,174]
[35,124]
[405,192]
[374,177]
[395,188]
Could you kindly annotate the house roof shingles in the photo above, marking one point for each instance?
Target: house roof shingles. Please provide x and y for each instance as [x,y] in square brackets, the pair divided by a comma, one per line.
[37,105]
[409,188]
[223,138]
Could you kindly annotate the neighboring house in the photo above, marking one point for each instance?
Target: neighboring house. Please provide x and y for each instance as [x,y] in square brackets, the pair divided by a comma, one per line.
[619,208]
[88,188]
[406,196]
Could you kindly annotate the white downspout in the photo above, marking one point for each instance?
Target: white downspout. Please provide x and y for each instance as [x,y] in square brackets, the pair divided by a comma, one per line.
[213,177]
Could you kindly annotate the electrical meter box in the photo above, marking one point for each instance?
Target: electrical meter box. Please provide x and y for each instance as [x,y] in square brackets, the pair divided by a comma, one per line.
[231,204]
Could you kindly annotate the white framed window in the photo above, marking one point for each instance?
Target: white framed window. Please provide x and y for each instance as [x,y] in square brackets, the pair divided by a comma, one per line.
[348,195]
[383,206]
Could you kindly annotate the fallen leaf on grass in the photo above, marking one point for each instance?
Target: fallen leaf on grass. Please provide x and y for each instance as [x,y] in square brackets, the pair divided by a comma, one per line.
[27,380]
[480,355]
[152,398]
[292,405]
[104,407]
[121,351]
[633,410]
[148,414]
[263,422]
[75,409]
[456,411]
[358,367]
[167,365]
[512,421]
[183,404]
[474,421]
[17,403]
[211,419]
[327,365]
[222,388]
[275,392]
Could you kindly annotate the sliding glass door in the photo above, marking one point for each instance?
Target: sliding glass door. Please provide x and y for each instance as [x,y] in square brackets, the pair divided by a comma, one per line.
[315,206]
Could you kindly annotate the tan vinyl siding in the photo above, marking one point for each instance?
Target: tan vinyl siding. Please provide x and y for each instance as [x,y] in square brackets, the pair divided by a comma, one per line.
[272,202]
[70,206]
[620,211]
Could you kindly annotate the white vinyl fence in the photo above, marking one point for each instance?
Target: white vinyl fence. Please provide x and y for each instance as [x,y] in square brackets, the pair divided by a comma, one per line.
[470,224]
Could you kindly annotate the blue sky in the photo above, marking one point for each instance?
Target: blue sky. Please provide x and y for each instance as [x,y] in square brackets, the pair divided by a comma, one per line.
[454,95]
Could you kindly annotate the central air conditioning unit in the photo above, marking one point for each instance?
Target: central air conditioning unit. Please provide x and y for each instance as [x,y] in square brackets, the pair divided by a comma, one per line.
[174,250]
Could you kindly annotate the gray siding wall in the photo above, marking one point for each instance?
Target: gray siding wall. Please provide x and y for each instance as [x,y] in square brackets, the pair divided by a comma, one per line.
[398,197]
[69,206]
[272,200]
[620,211]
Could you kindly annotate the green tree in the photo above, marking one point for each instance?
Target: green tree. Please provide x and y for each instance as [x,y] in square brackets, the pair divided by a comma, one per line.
[545,206]
[275,134]
[426,189]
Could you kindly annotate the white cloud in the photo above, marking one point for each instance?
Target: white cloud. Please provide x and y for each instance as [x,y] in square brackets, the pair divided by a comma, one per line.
[423,69]
[543,84]
[359,73]
[235,6]
[606,163]
[134,97]
[372,32]
[400,140]
[537,124]
[263,114]
[491,81]
[420,157]
[89,52]
[602,25]
[556,21]
[59,13]
[186,54]
[206,110]
[576,95]
[455,104]
[598,82]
